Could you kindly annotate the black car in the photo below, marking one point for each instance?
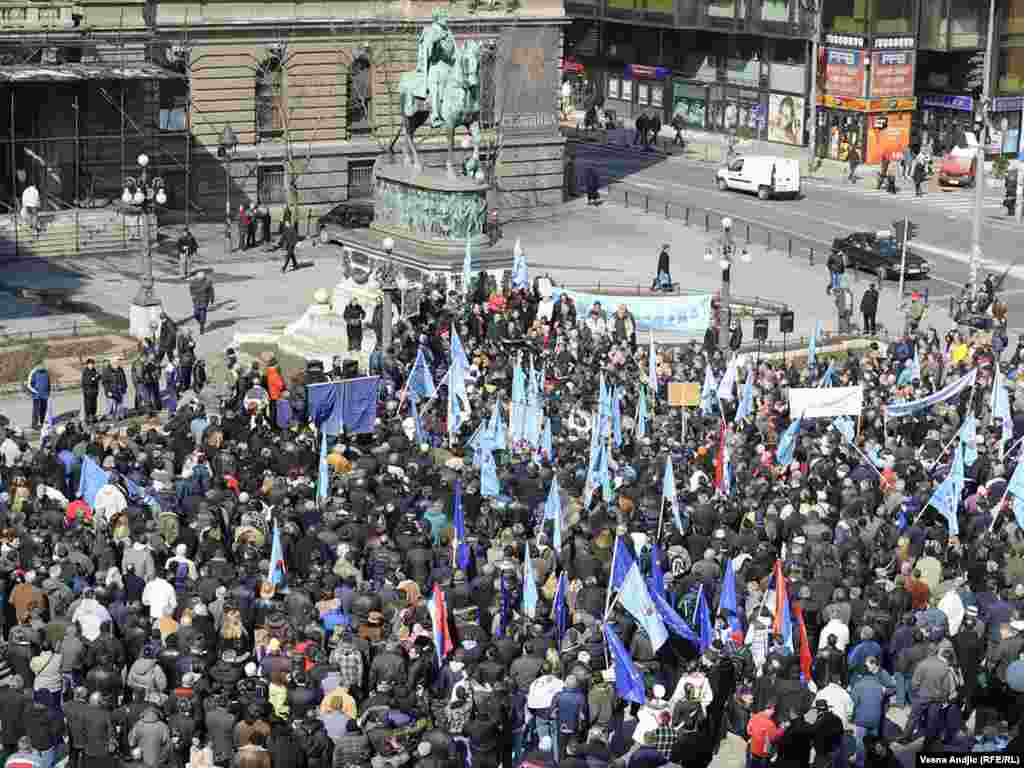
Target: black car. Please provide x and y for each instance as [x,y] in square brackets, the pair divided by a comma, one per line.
[352,214]
[879,254]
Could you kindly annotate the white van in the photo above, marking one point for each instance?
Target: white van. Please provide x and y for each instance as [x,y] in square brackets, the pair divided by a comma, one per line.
[765,176]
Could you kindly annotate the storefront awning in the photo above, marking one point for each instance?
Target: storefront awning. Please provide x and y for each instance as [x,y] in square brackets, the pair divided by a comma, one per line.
[73,73]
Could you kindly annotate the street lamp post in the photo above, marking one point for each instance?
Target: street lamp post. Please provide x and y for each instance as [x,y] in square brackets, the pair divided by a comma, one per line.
[228,144]
[140,197]
[726,251]
[982,119]
[390,288]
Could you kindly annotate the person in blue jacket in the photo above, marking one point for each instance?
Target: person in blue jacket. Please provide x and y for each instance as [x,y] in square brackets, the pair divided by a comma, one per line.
[39,387]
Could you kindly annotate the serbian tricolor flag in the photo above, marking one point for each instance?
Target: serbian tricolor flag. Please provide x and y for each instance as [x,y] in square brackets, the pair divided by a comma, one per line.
[783,624]
[278,570]
[439,618]
[723,464]
[806,657]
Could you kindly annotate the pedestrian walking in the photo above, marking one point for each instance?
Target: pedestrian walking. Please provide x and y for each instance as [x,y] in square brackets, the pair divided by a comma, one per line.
[90,390]
[869,309]
[854,160]
[38,385]
[354,315]
[115,388]
[907,162]
[289,240]
[250,227]
[243,227]
[201,290]
[918,175]
[677,126]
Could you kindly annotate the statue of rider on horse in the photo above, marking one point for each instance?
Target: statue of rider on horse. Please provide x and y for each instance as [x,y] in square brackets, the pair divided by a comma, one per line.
[444,87]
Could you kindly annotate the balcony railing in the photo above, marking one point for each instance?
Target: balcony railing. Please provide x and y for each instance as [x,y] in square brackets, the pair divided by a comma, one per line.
[30,15]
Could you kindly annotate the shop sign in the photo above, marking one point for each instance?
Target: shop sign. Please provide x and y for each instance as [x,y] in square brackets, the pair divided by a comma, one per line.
[890,43]
[1008,103]
[644,72]
[570,65]
[959,103]
[892,73]
[847,41]
[844,72]
[843,102]
[892,105]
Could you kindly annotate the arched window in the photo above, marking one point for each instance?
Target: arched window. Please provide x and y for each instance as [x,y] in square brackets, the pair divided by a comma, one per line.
[270,99]
[360,94]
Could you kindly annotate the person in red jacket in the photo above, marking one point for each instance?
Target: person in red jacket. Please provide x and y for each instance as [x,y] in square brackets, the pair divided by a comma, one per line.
[763,732]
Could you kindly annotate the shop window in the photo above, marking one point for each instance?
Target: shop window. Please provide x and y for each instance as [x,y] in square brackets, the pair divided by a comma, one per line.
[657,95]
[892,17]
[935,25]
[1015,17]
[776,10]
[614,87]
[643,93]
[846,17]
[270,99]
[967,22]
[173,105]
[1011,70]
[270,184]
[360,179]
[360,93]
[726,9]
[627,90]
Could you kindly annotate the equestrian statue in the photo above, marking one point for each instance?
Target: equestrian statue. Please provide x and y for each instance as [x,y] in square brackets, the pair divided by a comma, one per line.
[444,88]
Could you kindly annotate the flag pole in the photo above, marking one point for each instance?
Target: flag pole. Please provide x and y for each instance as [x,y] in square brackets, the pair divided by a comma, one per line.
[661,511]
[1006,492]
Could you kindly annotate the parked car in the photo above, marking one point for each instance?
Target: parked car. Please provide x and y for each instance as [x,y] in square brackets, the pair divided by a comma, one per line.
[352,214]
[957,169]
[879,254]
[765,176]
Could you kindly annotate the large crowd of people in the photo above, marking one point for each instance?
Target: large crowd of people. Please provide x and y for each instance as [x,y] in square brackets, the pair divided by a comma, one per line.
[234,589]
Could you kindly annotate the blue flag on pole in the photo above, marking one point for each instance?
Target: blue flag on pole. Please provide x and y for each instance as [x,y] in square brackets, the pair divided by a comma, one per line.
[844,426]
[652,370]
[496,429]
[460,547]
[546,452]
[629,683]
[553,512]
[828,379]
[561,609]
[520,274]
[1014,487]
[459,352]
[635,598]
[668,493]
[421,381]
[969,439]
[703,621]
[617,419]
[278,570]
[454,401]
[787,443]
[489,485]
[812,347]
[323,480]
[1001,406]
[746,406]
[657,578]
[90,481]
[641,414]
[530,595]
[727,603]
[708,393]
[675,623]
[421,435]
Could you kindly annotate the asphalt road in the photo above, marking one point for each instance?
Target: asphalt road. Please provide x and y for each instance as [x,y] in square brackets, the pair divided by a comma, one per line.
[829,210]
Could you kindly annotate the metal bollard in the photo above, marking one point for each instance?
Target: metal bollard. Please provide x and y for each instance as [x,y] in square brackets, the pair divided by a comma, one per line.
[748,234]
[769,239]
[707,222]
[666,210]
[647,203]
[810,256]
[627,198]
[686,217]
[790,247]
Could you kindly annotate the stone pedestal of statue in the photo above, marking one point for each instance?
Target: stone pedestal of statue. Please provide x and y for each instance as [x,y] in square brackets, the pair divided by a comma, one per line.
[427,212]
[319,334]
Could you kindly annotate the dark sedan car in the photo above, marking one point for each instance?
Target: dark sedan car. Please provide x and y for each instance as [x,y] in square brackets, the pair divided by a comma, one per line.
[879,254]
[352,214]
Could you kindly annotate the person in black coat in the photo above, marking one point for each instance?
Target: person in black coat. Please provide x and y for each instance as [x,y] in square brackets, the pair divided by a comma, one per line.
[663,275]
[869,308]
[289,240]
[90,390]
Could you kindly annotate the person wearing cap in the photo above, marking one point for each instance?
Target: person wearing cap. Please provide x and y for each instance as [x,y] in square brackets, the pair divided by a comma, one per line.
[90,390]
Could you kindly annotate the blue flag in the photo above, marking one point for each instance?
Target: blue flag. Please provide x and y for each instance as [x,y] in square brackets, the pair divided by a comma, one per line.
[421,381]
[787,443]
[746,406]
[460,547]
[459,352]
[553,512]
[676,624]
[1018,511]
[421,435]
[278,569]
[489,485]
[727,603]
[561,609]
[629,683]
[91,480]
[946,500]
[530,595]
[828,379]
[657,579]
[1016,484]
[323,480]
[1001,407]
[969,439]
[635,598]
[812,347]
[703,621]
[323,403]
[708,393]
[617,419]
[641,414]
[520,274]
[604,476]
[844,426]
[668,493]
[496,429]
[546,452]
[454,402]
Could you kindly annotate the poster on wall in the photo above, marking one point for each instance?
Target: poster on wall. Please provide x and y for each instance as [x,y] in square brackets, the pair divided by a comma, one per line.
[690,110]
[525,78]
[892,139]
[785,119]
[892,74]
[844,73]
